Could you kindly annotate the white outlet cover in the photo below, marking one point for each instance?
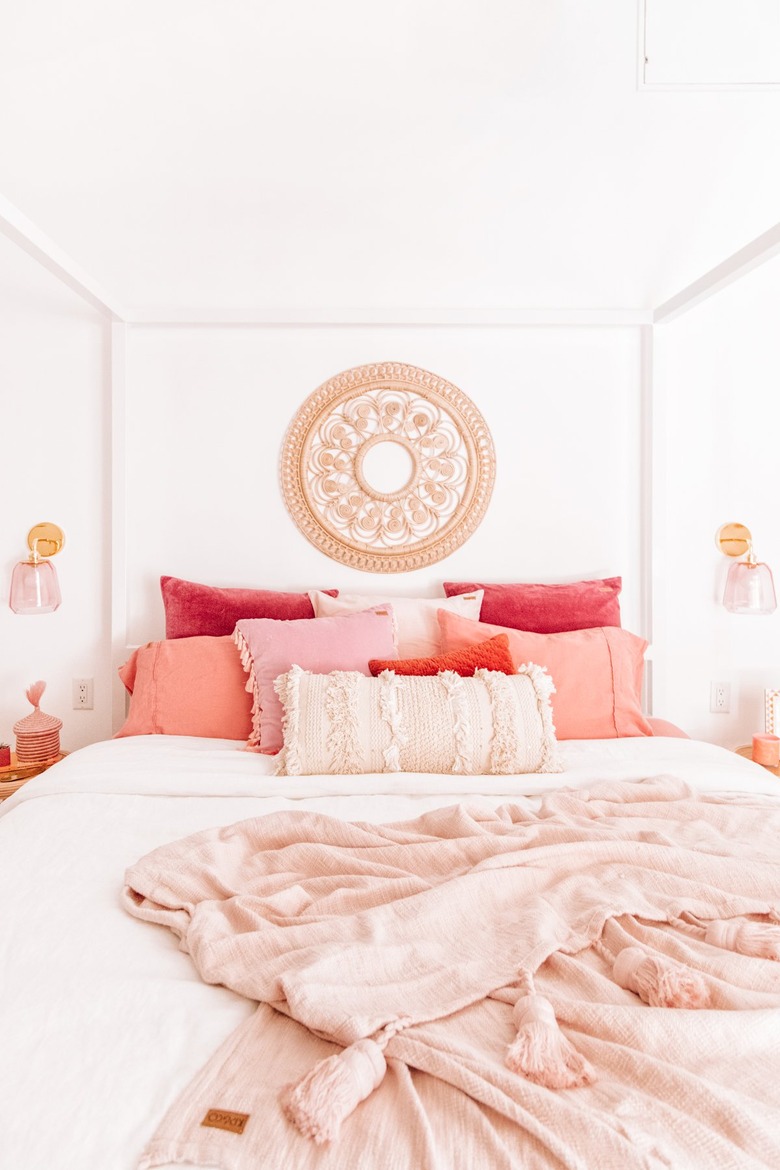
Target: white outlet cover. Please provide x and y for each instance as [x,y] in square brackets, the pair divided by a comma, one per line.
[720,698]
[83,694]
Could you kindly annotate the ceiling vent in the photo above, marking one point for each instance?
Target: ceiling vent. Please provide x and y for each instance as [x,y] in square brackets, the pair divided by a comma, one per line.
[709,44]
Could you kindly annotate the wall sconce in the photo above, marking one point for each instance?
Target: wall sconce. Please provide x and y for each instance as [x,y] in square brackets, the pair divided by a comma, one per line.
[34,585]
[749,585]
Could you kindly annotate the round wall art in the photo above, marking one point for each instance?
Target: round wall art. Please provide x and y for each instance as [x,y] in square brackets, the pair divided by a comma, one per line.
[387,468]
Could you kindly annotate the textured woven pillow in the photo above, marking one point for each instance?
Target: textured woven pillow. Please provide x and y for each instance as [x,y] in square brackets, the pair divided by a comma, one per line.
[346,724]
[492,654]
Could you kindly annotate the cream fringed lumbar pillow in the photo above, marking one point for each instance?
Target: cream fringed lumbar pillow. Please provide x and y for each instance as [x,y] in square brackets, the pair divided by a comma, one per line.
[346,724]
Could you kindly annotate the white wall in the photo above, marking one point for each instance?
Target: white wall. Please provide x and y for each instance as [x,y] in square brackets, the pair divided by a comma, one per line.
[718,397]
[208,409]
[206,413]
[53,466]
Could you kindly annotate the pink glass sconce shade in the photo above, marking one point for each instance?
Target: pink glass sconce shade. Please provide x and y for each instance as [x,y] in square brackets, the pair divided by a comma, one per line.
[34,585]
[750,588]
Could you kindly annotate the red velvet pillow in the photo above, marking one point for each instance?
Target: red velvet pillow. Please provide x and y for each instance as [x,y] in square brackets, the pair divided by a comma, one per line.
[492,654]
[547,609]
[193,610]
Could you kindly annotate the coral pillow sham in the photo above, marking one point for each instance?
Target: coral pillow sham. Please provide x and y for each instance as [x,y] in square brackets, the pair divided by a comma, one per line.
[492,654]
[547,609]
[268,648]
[597,673]
[345,724]
[417,629]
[192,609]
[190,686]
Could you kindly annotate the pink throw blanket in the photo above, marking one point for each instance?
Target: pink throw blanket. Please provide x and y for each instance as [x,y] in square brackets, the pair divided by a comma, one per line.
[425,936]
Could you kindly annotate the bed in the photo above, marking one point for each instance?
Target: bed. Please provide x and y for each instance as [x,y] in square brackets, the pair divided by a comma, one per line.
[106,1022]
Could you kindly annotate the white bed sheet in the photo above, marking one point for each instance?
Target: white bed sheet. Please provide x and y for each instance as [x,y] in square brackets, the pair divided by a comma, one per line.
[103,1021]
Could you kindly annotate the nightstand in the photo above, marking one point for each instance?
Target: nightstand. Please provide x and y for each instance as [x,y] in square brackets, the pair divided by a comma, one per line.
[15,775]
[747,752]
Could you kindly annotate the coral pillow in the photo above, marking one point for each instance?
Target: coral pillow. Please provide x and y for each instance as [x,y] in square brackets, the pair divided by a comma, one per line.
[597,674]
[492,654]
[345,724]
[664,727]
[192,609]
[191,686]
[547,609]
[269,648]
[417,629]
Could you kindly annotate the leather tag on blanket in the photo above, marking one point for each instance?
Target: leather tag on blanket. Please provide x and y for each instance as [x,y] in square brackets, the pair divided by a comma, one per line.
[224,1119]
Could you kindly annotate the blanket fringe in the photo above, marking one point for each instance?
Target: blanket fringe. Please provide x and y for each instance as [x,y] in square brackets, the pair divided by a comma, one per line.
[333,1089]
[758,939]
[540,1051]
[660,982]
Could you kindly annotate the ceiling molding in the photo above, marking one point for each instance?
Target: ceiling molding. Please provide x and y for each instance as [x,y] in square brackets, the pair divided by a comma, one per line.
[17,227]
[23,232]
[391,316]
[757,252]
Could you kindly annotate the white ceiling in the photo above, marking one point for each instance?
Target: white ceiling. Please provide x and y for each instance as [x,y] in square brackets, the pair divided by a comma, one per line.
[425,153]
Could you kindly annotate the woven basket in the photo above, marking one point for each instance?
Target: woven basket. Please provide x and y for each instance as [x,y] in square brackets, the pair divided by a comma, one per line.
[38,734]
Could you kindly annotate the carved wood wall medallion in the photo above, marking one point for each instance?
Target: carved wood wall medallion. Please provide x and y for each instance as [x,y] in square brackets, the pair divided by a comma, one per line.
[441,494]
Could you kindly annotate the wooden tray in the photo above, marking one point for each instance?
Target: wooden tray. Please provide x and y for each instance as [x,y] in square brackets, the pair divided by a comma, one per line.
[13,776]
[747,752]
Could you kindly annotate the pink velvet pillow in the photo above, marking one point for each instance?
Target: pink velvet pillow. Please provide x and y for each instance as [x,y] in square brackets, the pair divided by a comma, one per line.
[547,609]
[270,648]
[192,609]
[192,686]
[597,673]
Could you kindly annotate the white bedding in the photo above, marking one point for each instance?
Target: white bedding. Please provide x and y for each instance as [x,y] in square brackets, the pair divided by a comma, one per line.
[103,1021]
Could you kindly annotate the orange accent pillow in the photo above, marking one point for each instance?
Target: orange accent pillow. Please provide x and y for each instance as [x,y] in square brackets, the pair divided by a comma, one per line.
[187,686]
[597,673]
[490,654]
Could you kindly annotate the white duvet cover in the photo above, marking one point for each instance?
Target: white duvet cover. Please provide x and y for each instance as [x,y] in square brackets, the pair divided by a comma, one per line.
[103,1021]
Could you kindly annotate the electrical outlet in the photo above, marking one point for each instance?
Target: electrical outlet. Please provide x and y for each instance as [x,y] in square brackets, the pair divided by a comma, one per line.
[720,697]
[83,690]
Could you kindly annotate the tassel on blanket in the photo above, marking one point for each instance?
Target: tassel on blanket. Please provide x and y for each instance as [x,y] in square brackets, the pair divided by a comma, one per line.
[661,982]
[758,939]
[327,1095]
[540,1051]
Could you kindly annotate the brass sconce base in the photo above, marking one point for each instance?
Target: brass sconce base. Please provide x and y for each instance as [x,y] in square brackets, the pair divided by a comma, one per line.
[733,540]
[50,539]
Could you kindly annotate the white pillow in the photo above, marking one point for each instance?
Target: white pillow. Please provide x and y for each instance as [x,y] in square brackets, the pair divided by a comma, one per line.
[416,625]
[346,724]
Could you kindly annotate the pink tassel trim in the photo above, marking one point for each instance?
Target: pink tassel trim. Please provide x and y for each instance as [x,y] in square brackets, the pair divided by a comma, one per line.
[758,939]
[333,1089]
[660,982]
[35,692]
[541,1052]
[251,688]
